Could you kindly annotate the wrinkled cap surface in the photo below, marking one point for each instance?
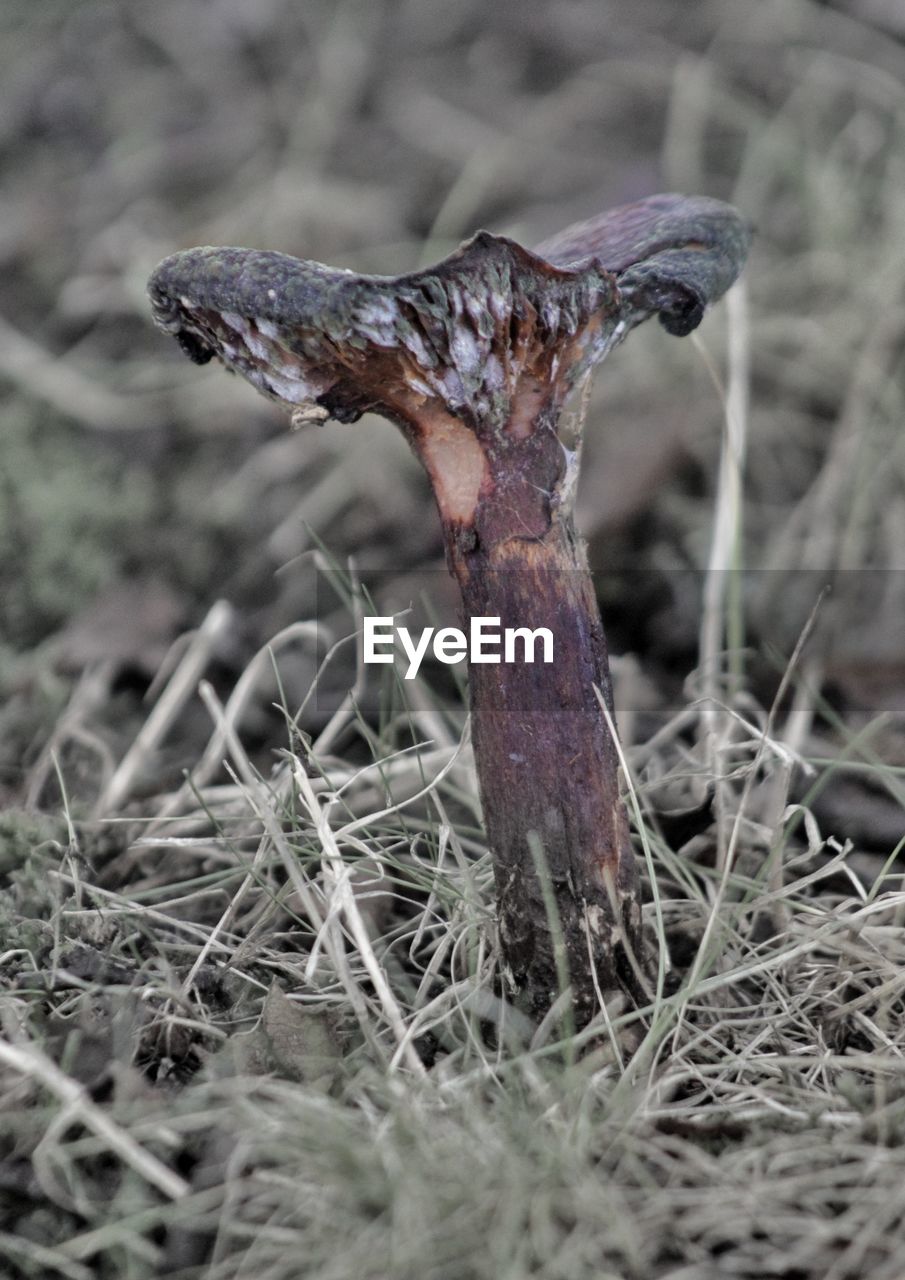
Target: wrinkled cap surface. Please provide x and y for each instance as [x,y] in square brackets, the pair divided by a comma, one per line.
[461,333]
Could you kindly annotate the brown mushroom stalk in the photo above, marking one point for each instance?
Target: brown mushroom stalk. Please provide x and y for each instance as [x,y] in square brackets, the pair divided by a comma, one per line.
[474,359]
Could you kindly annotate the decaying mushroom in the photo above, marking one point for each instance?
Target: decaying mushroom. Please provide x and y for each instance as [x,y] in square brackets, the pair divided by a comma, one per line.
[474,359]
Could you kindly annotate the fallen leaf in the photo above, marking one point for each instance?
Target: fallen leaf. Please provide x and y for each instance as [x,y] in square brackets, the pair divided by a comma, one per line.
[291,1040]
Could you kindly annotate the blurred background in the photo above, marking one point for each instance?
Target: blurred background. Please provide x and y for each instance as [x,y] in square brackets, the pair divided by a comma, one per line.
[137,490]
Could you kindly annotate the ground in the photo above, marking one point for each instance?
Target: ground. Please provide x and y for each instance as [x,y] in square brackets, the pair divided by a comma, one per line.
[252,1016]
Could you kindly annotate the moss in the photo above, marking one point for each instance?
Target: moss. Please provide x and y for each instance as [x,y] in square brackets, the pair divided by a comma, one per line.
[25,839]
[67,509]
[29,847]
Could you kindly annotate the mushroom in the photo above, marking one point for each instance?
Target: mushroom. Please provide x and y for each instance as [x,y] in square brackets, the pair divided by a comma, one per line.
[474,359]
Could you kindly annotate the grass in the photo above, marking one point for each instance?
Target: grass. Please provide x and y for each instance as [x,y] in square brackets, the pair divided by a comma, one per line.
[310,1133]
[252,1019]
[310,980]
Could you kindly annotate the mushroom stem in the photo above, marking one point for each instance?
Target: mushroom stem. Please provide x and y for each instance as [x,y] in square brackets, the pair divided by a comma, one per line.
[547,765]
[474,359]
[567,887]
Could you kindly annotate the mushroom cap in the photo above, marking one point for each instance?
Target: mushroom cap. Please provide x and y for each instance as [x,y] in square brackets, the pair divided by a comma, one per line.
[462,332]
[672,255]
